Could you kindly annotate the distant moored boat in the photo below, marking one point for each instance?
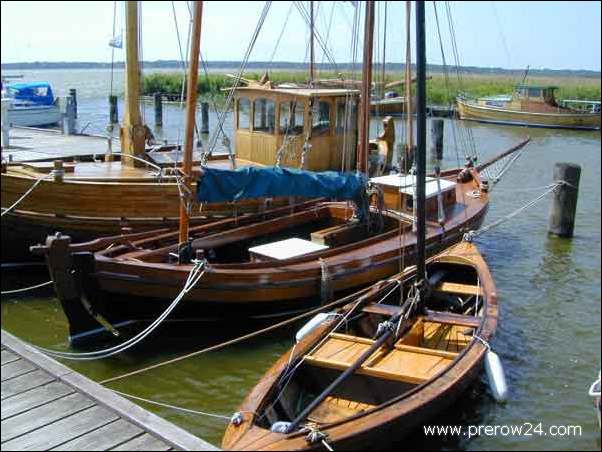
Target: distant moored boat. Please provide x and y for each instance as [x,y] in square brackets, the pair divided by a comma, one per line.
[32,104]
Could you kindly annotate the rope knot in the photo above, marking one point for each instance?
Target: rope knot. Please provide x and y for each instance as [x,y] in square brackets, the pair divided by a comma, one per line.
[385,326]
[314,435]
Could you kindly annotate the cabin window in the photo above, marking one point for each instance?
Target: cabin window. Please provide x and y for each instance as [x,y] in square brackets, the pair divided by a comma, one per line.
[264,116]
[244,113]
[534,92]
[321,118]
[346,119]
[409,202]
[291,118]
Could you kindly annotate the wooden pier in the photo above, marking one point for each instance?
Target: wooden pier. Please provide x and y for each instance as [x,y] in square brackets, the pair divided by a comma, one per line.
[30,144]
[47,406]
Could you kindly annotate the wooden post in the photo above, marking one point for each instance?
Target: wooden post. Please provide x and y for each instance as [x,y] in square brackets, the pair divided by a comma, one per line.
[59,172]
[5,123]
[205,117]
[564,200]
[69,116]
[437,126]
[73,95]
[158,109]
[113,110]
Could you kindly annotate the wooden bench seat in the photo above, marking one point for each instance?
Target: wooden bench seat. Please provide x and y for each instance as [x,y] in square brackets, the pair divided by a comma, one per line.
[457,288]
[333,409]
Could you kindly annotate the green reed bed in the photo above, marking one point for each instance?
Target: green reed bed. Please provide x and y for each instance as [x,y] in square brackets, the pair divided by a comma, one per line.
[439,90]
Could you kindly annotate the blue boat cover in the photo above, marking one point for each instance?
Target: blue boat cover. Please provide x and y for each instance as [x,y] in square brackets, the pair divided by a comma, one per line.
[219,185]
[39,93]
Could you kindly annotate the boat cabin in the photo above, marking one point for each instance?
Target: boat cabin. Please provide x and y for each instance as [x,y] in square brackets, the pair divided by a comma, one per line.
[399,189]
[30,93]
[310,128]
[544,94]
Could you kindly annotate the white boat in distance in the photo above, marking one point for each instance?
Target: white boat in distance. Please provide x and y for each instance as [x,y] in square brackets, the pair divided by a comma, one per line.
[32,104]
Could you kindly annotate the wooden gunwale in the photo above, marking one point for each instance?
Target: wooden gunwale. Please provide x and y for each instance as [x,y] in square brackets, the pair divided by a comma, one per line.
[440,385]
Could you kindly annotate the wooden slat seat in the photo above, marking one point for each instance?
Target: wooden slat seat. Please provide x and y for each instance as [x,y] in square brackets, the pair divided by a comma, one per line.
[449,318]
[381,309]
[413,365]
[333,409]
[457,288]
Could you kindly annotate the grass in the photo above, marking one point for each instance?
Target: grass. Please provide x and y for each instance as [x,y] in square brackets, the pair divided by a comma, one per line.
[439,91]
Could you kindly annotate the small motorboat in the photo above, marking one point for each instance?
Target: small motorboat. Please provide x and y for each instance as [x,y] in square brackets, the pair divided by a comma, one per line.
[32,104]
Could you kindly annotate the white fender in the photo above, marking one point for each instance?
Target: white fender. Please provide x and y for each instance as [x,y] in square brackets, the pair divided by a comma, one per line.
[495,375]
[312,325]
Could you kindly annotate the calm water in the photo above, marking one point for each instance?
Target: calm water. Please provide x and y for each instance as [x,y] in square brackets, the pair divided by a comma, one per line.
[549,288]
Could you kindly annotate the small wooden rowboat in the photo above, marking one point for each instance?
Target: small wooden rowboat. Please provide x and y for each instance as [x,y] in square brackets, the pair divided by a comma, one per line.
[399,373]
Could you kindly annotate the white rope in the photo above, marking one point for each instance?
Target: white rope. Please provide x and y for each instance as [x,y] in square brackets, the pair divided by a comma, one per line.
[26,194]
[26,289]
[471,235]
[194,276]
[173,407]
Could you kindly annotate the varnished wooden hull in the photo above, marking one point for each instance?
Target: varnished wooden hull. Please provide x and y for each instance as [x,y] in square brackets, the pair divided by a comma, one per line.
[498,115]
[389,422]
[124,288]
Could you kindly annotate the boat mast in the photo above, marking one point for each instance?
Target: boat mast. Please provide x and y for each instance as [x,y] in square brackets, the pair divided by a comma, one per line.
[132,132]
[191,97]
[311,44]
[362,164]
[421,142]
[408,82]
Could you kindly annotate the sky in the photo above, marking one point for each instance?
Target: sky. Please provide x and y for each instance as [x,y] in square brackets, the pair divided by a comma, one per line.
[513,35]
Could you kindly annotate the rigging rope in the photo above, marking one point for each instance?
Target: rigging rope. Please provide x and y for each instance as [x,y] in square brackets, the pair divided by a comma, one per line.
[26,289]
[196,273]
[27,193]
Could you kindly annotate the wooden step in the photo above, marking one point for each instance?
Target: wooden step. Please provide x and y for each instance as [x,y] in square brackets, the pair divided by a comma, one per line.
[457,288]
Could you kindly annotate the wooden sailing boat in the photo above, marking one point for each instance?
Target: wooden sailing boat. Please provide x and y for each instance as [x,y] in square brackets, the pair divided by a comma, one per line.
[529,105]
[139,190]
[265,264]
[367,374]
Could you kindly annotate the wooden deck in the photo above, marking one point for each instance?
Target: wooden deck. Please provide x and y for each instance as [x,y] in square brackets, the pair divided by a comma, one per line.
[30,144]
[47,406]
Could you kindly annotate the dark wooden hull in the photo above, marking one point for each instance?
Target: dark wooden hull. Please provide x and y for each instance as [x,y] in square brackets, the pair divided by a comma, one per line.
[389,422]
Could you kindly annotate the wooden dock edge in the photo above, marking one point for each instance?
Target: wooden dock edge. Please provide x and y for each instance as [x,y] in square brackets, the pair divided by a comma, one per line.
[166,431]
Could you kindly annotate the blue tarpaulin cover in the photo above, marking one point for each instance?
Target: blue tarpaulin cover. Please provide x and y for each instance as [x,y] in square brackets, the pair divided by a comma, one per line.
[219,185]
[39,93]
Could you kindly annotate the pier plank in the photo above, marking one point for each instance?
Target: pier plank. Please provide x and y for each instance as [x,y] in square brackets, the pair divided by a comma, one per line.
[44,415]
[143,442]
[105,438]
[16,368]
[24,383]
[63,430]
[8,356]
[53,406]
[34,398]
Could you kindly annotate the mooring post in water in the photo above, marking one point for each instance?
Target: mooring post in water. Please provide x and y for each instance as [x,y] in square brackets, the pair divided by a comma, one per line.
[113,113]
[564,199]
[69,116]
[5,123]
[73,95]
[58,171]
[158,109]
[205,117]
[437,126]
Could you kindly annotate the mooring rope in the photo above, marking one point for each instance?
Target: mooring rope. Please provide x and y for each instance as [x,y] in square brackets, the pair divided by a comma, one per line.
[26,194]
[194,276]
[236,340]
[26,289]
[471,235]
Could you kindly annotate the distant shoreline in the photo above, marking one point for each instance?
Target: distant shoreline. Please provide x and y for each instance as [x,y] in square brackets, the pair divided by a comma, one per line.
[283,65]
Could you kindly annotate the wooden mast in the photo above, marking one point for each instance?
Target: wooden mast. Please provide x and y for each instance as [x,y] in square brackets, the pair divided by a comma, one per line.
[311,44]
[362,164]
[132,132]
[191,97]
[408,82]
[421,145]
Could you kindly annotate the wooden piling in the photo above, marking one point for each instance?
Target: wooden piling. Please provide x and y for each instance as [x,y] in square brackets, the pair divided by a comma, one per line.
[69,117]
[113,112]
[158,109]
[205,117]
[5,124]
[73,95]
[437,126]
[59,171]
[563,206]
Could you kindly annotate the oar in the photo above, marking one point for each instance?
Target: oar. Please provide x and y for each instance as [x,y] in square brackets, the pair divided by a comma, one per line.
[350,371]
